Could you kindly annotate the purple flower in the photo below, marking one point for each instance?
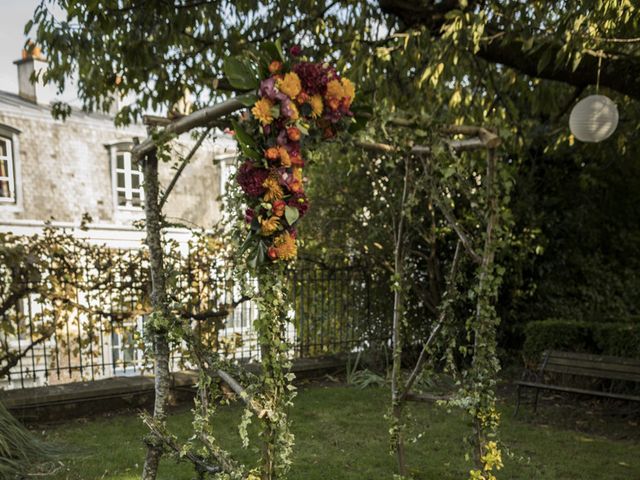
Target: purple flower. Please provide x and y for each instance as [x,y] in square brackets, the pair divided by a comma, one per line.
[248,215]
[268,88]
[295,51]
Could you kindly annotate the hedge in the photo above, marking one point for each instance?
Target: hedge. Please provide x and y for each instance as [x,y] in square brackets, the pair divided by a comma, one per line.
[602,338]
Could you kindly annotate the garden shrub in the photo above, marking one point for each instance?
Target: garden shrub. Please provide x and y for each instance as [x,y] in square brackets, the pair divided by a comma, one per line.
[603,338]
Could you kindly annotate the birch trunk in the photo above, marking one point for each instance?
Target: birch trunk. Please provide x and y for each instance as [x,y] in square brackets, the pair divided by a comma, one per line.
[159,305]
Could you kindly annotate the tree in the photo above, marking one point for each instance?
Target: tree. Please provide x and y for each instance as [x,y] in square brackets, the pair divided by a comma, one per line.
[563,41]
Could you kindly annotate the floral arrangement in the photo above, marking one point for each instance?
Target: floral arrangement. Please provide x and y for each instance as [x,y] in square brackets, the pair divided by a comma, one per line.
[297,102]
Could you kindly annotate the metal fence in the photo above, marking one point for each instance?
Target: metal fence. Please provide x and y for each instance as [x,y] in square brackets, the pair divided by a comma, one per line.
[333,310]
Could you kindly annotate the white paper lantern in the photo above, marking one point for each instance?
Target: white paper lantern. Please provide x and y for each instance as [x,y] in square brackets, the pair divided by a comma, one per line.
[593,119]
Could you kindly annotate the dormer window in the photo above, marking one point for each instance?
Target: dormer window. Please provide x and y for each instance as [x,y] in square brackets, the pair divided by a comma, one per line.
[127,179]
[7,176]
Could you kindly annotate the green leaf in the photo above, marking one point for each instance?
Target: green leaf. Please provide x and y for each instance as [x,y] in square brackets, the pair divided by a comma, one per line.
[247,99]
[259,256]
[27,27]
[242,136]
[240,74]
[250,152]
[273,50]
[291,214]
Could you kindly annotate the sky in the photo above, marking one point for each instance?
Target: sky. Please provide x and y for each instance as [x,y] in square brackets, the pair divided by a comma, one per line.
[13,16]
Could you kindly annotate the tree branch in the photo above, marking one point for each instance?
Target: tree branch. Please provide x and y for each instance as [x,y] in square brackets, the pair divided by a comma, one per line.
[508,48]
[181,168]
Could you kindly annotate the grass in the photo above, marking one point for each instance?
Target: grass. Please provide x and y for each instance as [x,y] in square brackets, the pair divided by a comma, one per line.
[341,433]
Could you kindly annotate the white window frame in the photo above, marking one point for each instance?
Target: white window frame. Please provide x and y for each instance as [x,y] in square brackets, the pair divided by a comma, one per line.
[9,136]
[128,171]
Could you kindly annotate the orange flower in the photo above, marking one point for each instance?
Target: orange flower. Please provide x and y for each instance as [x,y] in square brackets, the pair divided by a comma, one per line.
[285,159]
[302,98]
[295,186]
[316,106]
[285,246]
[275,66]
[334,103]
[290,85]
[273,253]
[293,133]
[262,111]
[274,190]
[278,207]
[269,226]
[272,153]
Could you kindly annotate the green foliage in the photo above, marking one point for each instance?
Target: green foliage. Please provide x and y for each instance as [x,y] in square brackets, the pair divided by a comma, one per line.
[602,338]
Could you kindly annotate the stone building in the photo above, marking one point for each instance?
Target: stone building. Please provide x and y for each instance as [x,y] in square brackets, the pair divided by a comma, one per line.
[54,170]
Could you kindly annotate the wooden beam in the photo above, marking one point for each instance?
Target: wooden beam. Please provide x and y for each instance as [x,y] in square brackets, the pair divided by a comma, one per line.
[200,118]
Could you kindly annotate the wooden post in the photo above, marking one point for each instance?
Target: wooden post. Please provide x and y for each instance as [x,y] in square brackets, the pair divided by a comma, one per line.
[398,308]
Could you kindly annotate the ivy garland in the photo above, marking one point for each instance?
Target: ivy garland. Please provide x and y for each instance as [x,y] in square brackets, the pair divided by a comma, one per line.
[298,103]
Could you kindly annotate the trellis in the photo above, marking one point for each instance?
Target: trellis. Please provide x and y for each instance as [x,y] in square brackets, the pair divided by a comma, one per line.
[486,454]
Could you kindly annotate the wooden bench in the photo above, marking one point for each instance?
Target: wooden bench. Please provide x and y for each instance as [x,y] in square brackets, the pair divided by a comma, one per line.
[564,364]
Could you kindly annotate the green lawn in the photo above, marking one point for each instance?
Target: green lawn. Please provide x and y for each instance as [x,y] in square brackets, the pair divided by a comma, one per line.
[341,434]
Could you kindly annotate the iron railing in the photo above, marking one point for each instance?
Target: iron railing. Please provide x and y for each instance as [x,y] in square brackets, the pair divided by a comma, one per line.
[333,310]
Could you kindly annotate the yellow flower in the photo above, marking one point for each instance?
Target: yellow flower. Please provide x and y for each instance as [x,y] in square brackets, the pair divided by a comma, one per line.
[297,174]
[274,190]
[285,159]
[295,114]
[290,85]
[285,246]
[262,111]
[335,90]
[269,226]
[349,90]
[492,457]
[316,105]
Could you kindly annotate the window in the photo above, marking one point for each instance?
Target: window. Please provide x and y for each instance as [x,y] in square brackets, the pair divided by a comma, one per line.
[128,180]
[125,341]
[7,178]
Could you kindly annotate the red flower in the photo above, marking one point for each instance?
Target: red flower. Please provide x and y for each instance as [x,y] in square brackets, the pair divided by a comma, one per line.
[328,133]
[273,253]
[295,51]
[297,161]
[278,208]
[314,77]
[251,179]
